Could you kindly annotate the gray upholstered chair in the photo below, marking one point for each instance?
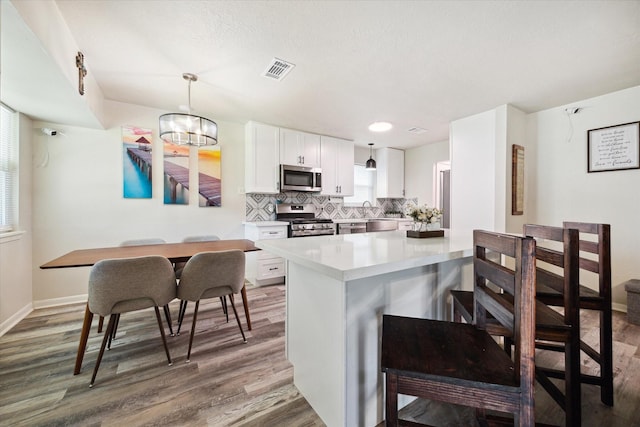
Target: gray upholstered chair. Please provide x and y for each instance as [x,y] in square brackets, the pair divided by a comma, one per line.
[129,284]
[211,275]
[138,242]
[180,265]
[207,238]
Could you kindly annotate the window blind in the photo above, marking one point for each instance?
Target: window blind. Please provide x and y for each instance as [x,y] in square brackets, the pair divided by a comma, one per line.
[8,169]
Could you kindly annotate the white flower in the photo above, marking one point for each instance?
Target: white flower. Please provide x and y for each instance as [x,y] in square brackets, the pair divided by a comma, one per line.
[424,213]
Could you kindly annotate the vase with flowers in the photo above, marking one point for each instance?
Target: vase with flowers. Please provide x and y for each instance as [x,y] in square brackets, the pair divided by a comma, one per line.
[424,217]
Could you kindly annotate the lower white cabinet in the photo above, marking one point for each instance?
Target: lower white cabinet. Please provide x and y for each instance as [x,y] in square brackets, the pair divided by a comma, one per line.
[405,225]
[262,267]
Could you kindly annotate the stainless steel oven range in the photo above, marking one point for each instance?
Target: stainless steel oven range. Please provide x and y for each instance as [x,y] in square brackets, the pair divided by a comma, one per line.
[302,220]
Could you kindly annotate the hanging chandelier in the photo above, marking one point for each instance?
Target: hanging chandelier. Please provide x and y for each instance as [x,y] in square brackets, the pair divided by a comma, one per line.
[188,129]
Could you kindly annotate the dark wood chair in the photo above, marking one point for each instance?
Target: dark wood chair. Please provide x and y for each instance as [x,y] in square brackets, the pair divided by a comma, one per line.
[461,363]
[595,265]
[556,265]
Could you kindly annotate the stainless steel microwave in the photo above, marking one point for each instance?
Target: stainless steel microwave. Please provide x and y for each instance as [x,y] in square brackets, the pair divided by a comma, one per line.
[300,178]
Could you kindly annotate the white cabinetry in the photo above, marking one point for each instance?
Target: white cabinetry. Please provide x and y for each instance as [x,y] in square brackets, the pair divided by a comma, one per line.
[337,157]
[389,173]
[262,159]
[262,267]
[405,224]
[299,148]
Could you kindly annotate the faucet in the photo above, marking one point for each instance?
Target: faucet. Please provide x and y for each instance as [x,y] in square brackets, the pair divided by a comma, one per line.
[364,208]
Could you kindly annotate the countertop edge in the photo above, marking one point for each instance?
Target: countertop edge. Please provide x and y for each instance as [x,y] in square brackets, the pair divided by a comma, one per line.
[368,270]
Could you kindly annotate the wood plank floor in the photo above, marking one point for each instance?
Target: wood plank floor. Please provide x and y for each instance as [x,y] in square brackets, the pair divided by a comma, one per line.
[227,383]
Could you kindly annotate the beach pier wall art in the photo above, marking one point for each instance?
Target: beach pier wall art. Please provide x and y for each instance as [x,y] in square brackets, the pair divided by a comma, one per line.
[176,174]
[136,162]
[209,176]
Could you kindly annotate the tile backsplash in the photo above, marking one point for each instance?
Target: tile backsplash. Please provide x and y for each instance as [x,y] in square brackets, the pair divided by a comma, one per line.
[261,207]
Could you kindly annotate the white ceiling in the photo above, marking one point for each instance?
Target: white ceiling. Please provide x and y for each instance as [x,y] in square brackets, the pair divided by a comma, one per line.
[413,63]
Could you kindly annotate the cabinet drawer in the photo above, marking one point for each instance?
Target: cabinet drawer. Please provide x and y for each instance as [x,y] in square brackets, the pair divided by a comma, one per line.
[265,233]
[405,225]
[272,268]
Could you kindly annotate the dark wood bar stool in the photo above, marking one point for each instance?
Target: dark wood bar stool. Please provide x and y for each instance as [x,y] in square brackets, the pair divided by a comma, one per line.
[557,266]
[461,363]
[595,265]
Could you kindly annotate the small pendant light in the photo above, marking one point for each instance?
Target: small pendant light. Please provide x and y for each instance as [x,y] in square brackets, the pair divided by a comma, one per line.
[371,164]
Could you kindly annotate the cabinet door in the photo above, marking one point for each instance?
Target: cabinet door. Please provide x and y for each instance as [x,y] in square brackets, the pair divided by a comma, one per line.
[337,157]
[262,158]
[310,150]
[390,173]
[328,156]
[299,148]
[344,169]
[290,147]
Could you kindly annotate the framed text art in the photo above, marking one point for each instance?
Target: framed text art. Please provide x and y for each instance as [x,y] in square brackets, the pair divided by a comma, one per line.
[517,180]
[613,148]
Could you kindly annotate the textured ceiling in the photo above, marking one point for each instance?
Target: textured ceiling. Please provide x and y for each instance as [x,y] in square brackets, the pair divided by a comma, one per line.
[418,63]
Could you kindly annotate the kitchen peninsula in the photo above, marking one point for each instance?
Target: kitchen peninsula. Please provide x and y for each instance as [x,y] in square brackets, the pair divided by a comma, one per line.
[338,288]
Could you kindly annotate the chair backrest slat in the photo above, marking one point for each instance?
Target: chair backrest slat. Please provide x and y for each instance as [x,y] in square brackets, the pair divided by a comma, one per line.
[519,315]
[567,280]
[600,245]
[496,273]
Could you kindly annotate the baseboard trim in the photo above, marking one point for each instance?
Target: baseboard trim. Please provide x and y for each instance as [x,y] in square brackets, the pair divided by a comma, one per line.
[619,307]
[55,302]
[15,319]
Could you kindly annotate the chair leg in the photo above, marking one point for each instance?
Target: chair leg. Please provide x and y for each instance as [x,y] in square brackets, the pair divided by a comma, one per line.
[391,406]
[573,406]
[245,303]
[100,324]
[84,337]
[193,329]
[115,329]
[112,335]
[181,311]
[235,312]
[167,315]
[223,301]
[107,335]
[164,338]
[606,356]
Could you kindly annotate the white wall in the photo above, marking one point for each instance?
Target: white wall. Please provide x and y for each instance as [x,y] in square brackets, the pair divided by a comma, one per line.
[78,203]
[474,177]
[419,170]
[563,190]
[15,251]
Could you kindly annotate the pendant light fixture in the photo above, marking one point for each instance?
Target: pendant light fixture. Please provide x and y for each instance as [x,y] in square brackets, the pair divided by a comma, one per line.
[371,164]
[188,129]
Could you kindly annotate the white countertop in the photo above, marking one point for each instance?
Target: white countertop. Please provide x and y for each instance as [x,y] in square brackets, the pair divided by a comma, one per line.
[354,256]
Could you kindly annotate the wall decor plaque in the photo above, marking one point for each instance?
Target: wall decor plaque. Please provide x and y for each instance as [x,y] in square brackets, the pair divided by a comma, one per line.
[613,148]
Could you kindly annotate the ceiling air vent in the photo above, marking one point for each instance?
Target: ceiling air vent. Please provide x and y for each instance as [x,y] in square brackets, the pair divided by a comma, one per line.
[416,130]
[278,69]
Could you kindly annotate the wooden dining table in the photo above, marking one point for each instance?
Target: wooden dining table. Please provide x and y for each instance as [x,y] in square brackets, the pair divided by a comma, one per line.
[174,252]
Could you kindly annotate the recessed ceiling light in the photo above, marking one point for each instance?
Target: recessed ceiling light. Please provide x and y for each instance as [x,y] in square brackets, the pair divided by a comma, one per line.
[380,126]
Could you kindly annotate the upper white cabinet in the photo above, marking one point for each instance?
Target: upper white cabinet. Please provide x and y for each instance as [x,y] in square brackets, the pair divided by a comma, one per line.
[299,148]
[337,157]
[262,158]
[389,173]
